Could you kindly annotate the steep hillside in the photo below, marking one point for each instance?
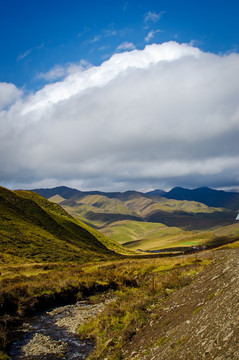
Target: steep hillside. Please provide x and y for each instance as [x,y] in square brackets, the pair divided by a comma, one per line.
[34,229]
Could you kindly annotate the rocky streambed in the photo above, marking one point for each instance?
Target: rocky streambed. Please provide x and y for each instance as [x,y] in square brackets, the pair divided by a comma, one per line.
[53,334]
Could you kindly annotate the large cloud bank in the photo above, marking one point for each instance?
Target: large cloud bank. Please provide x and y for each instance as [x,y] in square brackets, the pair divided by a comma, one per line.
[163,116]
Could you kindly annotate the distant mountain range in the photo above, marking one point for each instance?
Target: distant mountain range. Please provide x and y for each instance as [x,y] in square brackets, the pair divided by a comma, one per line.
[69,193]
[207,196]
[153,219]
[204,195]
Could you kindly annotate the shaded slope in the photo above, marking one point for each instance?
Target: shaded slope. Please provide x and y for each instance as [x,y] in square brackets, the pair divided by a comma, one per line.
[210,197]
[190,221]
[34,229]
[69,193]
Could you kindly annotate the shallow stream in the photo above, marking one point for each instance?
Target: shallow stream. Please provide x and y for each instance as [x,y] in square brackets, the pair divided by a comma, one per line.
[52,334]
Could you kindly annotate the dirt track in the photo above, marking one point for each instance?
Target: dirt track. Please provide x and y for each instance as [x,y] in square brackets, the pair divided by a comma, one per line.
[200,321]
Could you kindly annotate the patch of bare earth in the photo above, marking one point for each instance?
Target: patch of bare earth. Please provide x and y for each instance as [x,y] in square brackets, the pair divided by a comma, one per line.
[199,321]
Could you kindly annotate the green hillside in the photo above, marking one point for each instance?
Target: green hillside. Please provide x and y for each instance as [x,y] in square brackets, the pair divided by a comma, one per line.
[32,229]
[230,230]
[99,211]
[153,236]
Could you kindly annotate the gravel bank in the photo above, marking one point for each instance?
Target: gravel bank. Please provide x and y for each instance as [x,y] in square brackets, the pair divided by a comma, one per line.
[53,334]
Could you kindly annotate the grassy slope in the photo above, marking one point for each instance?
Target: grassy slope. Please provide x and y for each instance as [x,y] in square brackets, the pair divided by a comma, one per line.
[139,205]
[230,230]
[152,236]
[97,210]
[33,229]
[111,245]
[155,209]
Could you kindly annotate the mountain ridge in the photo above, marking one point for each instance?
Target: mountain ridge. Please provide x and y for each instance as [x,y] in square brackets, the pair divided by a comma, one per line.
[205,195]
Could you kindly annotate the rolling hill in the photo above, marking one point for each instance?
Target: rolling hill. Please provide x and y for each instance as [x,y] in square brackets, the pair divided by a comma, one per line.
[116,214]
[33,229]
[99,209]
[153,236]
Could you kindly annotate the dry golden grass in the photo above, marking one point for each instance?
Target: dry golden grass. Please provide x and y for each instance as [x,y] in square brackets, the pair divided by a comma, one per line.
[146,284]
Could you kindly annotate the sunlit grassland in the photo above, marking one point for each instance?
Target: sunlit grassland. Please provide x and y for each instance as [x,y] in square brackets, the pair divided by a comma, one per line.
[115,206]
[151,281]
[233,245]
[230,230]
[136,285]
[137,206]
[153,236]
[136,306]
[141,205]
[81,213]
[26,288]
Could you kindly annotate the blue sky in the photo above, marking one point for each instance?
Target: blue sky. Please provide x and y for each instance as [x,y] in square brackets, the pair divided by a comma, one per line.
[118,95]
[38,35]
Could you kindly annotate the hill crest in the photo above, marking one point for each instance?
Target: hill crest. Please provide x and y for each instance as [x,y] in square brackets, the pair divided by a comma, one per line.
[205,195]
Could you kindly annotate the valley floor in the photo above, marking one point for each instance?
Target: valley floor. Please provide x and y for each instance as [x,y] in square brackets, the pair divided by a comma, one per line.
[199,321]
[183,307]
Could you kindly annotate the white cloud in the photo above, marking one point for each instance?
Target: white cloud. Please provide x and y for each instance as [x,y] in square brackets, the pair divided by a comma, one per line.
[95,39]
[151,34]
[152,16]
[166,114]
[25,54]
[126,46]
[110,32]
[29,51]
[104,47]
[60,71]
[56,73]
[9,93]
